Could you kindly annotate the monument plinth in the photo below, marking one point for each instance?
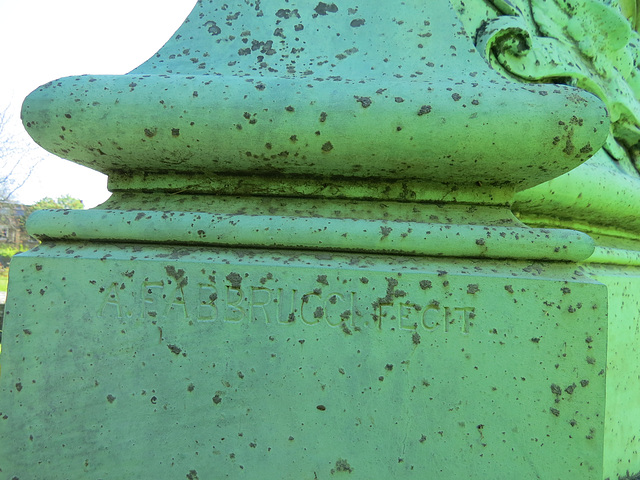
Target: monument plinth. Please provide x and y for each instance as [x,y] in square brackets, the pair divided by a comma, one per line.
[308,267]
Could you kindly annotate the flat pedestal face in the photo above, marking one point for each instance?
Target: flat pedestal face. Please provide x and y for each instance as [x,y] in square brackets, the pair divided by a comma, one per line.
[622,442]
[151,362]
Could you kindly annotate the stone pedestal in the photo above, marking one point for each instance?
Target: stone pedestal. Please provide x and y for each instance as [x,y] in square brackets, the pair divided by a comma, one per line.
[309,267]
[210,363]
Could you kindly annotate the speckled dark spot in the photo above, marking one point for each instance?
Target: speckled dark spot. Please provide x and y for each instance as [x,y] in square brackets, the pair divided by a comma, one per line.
[287,13]
[324,8]
[424,109]
[364,101]
[235,279]
[327,147]
[342,466]
[212,28]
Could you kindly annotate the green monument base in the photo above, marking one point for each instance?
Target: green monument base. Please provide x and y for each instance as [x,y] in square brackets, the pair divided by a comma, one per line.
[161,362]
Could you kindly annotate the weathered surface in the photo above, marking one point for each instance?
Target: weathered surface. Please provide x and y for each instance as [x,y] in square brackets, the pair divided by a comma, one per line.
[594,45]
[386,90]
[254,364]
[309,267]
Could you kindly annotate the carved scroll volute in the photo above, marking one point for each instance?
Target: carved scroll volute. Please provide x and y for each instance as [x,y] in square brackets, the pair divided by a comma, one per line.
[593,45]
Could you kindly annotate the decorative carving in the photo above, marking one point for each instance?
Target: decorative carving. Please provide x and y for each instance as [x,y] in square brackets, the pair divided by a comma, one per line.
[591,44]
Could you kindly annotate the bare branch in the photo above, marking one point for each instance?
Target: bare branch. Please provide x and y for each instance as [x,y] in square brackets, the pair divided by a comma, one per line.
[14,168]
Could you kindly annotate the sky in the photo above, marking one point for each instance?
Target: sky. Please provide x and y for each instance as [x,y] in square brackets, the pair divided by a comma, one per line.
[42,40]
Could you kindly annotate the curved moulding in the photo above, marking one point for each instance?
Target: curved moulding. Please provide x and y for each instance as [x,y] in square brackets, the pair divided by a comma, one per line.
[380,90]
[442,131]
[303,233]
[597,198]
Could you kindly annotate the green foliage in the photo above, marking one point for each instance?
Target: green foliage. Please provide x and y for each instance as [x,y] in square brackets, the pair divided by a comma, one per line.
[6,253]
[11,250]
[66,202]
[4,280]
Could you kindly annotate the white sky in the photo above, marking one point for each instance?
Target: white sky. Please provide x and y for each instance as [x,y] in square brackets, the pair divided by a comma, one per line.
[42,40]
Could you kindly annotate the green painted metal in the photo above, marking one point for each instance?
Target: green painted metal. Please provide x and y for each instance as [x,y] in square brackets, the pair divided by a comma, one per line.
[309,266]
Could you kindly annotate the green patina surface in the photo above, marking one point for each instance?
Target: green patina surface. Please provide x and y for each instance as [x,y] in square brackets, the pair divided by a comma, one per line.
[267,364]
[309,266]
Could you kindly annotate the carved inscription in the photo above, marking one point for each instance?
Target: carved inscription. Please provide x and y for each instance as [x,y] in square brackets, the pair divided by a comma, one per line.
[233,300]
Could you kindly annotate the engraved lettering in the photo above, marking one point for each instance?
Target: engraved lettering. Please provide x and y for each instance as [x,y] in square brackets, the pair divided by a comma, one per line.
[260,297]
[404,313]
[234,312]
[178,303]
[286,315]
[311,306]
[382,313]
[111,302]
[462,315]
[333,309]
[468,313]
[151,291]
[430,316]
[205,302]
[207,309]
